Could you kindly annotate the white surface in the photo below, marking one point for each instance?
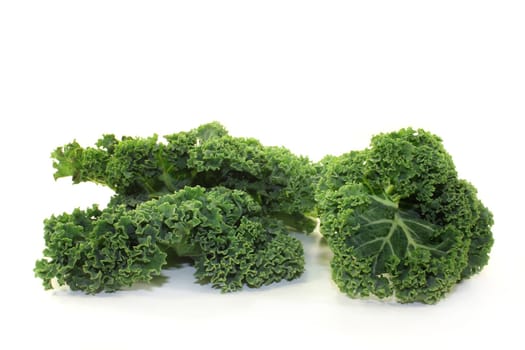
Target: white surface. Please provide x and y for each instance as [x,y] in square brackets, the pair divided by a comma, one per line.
[316,76]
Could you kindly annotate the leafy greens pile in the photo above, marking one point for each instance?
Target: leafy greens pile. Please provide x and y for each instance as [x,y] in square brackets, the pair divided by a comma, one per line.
[224,202]
[399,221]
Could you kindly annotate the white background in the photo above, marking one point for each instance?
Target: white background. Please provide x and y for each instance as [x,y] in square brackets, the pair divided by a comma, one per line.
[318,77]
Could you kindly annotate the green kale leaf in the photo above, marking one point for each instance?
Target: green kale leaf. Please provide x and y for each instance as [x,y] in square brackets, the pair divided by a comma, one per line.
[221,230]
[399,221]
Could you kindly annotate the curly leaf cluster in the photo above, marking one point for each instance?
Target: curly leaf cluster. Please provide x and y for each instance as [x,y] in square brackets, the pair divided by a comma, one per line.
[224,202]
[399,221]
[221,230]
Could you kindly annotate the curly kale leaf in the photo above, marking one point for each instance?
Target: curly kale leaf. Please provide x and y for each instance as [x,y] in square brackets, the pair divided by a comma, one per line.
[399,221]
[96,251]
[220,229]
[138,169]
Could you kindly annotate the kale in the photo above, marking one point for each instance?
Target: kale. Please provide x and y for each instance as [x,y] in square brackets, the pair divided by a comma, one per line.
[399,220]
[222,231]
[138,169]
